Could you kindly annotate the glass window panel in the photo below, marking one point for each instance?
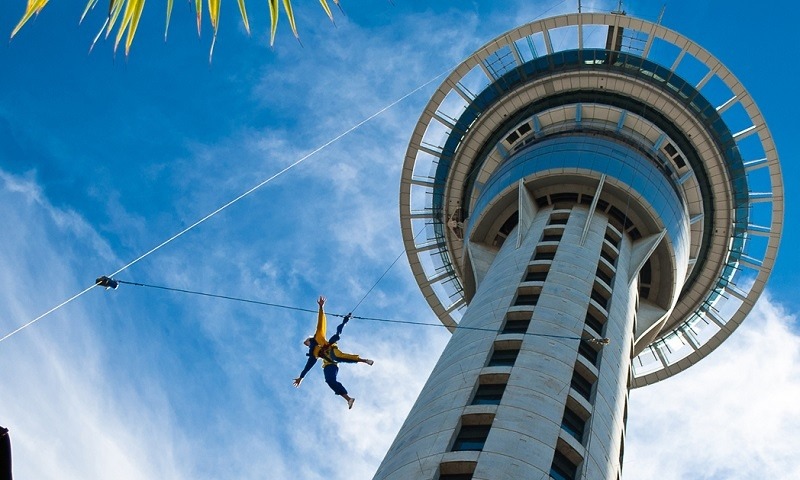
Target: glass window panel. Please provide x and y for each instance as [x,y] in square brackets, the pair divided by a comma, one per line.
[489,394]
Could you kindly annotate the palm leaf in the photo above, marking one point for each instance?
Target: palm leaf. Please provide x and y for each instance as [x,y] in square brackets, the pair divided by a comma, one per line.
[134,23]
[97,37]
[273,20]
[213,13]
[114,9]
[287,6]
[89,5]
[169,15]
[243,11]
[198,5]
[33,7]
[327,9]
[126,20]
[131,11]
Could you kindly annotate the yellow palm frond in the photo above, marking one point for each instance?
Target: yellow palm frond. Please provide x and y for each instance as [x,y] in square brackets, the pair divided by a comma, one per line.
[129,13]
[243,11]
[213,13]
[134,23]
[34,7]
[114,9]
[130,22]
[327,9]
[198,5]
[169,15]
[89,6]
[287,6]
[273,20]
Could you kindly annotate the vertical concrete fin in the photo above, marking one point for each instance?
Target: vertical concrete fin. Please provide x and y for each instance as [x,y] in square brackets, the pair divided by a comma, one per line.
[641,251]
[592,208]
[527,211]
[481,257]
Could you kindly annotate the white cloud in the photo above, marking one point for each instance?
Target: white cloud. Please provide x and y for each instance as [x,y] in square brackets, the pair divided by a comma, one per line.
[735,415]
[64,419]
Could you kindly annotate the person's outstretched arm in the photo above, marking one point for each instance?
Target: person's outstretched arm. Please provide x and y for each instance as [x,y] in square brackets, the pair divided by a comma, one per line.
[322,326]
[310,363]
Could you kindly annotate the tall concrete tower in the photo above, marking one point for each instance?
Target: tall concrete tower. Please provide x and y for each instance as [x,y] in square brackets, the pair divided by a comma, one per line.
[580,177]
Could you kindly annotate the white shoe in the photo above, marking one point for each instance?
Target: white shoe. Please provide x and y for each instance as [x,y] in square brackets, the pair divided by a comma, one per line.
[350,403]
[368,361]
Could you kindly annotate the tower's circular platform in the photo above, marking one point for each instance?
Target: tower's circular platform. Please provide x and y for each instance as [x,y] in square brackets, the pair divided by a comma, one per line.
[611,83]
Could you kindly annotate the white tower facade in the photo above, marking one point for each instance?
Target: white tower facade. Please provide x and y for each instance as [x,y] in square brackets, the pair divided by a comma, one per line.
[605,190]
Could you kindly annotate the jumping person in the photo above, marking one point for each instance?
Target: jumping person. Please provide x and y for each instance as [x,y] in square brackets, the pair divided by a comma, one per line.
[328,351]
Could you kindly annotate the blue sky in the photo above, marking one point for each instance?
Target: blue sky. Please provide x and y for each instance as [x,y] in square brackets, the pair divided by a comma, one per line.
[102,158]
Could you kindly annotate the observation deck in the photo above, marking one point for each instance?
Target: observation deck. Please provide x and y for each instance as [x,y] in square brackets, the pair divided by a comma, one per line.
[596,78]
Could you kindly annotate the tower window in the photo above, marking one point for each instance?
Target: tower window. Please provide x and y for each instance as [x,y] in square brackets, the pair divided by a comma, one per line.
[602,275]
[552,234]
[610,257]
[580,384]
[455,476]
[536,276]
[458,470]
[545,252]
[598,297]
[588,352]
[517,322]
[564,199]
[595,319]
[525,299]
[472,437]
[573,424]
[551,237]
[563,468]
[503,358]
[612,239]
[489,394]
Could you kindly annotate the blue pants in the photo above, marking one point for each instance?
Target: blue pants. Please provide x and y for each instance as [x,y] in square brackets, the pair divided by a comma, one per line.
[330,378]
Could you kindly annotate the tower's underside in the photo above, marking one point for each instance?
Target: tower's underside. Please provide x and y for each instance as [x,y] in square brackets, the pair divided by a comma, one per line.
[573,195]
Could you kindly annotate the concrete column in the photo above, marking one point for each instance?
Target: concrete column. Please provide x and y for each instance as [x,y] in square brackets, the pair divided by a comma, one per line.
[526,425]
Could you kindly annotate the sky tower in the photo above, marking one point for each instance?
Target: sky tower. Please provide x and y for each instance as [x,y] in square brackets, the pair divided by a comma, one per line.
[579,177]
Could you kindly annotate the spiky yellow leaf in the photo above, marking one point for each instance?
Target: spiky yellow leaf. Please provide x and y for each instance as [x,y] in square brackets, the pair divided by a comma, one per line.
[89,5]
[287,6]
[326,8]
[198,5]
[97,37]
[243,11]
[33,7]
[134,23]
[273,20]
[169,16]
[114,9]
[126,20]
[213,13]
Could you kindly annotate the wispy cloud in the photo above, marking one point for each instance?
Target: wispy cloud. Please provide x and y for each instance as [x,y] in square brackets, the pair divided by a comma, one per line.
[733,416]
[66,420]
